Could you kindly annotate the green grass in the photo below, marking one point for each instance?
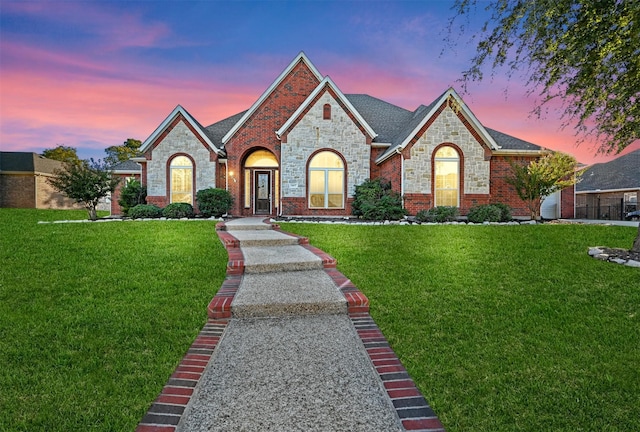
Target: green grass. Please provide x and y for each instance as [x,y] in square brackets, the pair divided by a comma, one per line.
[503,328]
[95,317]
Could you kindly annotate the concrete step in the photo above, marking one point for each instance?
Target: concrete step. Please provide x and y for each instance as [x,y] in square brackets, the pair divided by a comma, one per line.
[250,238]
[266,259]
[310,292]
[244,224]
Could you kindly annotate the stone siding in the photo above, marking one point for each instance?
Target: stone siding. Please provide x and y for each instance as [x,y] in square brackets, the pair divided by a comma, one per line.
[313,133]
[179,140]
[447,128]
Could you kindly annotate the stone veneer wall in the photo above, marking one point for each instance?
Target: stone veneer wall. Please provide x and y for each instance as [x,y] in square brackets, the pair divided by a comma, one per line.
[179,140]
[313,133]
[447,128]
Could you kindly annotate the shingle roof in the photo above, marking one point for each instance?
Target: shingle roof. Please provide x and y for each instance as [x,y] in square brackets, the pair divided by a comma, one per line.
[392,123]
[28,162]
[620,173]
[219,129]
[508,142]
[128,165]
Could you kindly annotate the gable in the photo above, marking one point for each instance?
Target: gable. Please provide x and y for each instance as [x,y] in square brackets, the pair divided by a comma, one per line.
[337,99]
[280,100]
[178,116]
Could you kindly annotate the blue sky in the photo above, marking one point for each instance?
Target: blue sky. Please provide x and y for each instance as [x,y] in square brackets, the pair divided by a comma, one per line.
[90,74]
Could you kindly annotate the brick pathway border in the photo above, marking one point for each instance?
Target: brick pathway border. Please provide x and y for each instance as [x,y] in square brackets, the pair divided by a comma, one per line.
[166,411]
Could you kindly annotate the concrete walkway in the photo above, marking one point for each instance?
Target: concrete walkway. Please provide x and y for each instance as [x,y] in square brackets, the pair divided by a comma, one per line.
[290,346]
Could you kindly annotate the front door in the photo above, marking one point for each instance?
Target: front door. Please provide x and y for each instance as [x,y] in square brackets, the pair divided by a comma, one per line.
[262,192]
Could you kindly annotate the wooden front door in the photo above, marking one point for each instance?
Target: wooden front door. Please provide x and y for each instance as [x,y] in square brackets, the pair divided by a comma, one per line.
[262,188]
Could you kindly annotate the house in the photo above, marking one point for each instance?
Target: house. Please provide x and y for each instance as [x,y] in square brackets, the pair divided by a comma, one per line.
[609,190]
[23,182]
[303,146]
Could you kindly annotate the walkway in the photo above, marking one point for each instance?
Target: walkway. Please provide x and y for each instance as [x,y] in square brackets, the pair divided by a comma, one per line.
[289,346]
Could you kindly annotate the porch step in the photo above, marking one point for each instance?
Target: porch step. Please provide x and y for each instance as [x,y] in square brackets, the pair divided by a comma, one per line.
[310,292]
[242,224]
[263,237]
[266,259]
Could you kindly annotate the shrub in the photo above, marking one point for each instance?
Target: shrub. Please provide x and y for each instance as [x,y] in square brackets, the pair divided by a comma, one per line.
[178,210]
[505,212]
[484,213]
[214,202]
[145,211]
[438,214]
[375,200]
[132,194]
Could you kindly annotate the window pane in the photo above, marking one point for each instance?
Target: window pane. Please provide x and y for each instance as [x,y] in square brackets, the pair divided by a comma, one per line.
[335,200]
[316,200]
[181,184]
[181,161]
[447,198]
[261,158]
[446,152]
[316,182]
[335,181]
[247,188]
[326,160]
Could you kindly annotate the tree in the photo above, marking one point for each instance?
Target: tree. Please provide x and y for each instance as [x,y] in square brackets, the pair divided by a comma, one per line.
[582,53]
[121,153]
[542,177]
[62,154]
[86,182]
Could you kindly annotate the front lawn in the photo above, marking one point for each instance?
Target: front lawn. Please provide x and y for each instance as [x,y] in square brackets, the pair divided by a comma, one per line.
[95,317]
[503,328]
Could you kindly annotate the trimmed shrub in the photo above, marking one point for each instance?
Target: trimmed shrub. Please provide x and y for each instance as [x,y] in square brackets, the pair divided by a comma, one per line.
[505,210]
[214,202]
[375,200]
[484,213]
[145,211]
[178,211]
[438,214]
[132,194]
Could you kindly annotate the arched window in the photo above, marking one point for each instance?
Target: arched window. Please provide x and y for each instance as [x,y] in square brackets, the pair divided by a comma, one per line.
[326,181]
[181,173]
[447,176]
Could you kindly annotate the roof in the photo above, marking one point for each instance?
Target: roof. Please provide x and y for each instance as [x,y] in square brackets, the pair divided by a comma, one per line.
[508,142]
[28,162]
[127,167]
[219,129]
[620,173]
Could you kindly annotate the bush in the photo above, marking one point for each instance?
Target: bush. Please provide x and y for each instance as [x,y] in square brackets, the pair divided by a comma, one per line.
[214,202]
[375,200]
[484,213]
[438,214]
[145,211]
[132,194]
[505,212]
[178,210]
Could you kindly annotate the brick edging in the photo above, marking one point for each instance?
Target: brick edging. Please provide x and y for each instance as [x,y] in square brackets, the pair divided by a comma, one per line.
[166,411]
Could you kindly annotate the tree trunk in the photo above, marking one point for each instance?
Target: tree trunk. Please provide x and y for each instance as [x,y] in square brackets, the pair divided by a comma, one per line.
[636,242]
[92,213]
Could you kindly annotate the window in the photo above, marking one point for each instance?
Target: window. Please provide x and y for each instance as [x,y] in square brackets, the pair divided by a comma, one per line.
[326,112]
[181,180]
[447,176]
[326,181]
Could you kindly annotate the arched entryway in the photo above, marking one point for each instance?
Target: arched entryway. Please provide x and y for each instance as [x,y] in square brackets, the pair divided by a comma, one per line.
[261,183]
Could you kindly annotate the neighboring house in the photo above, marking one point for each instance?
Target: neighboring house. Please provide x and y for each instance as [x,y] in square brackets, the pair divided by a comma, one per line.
[23,182]
[609,190]
[303,146]
[126,171]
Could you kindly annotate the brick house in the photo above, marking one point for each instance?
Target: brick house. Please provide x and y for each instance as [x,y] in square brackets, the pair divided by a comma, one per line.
[609,190]
[303,146]
[23,182]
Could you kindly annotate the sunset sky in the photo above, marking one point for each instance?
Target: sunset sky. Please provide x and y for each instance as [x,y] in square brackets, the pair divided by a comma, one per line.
[90,74]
